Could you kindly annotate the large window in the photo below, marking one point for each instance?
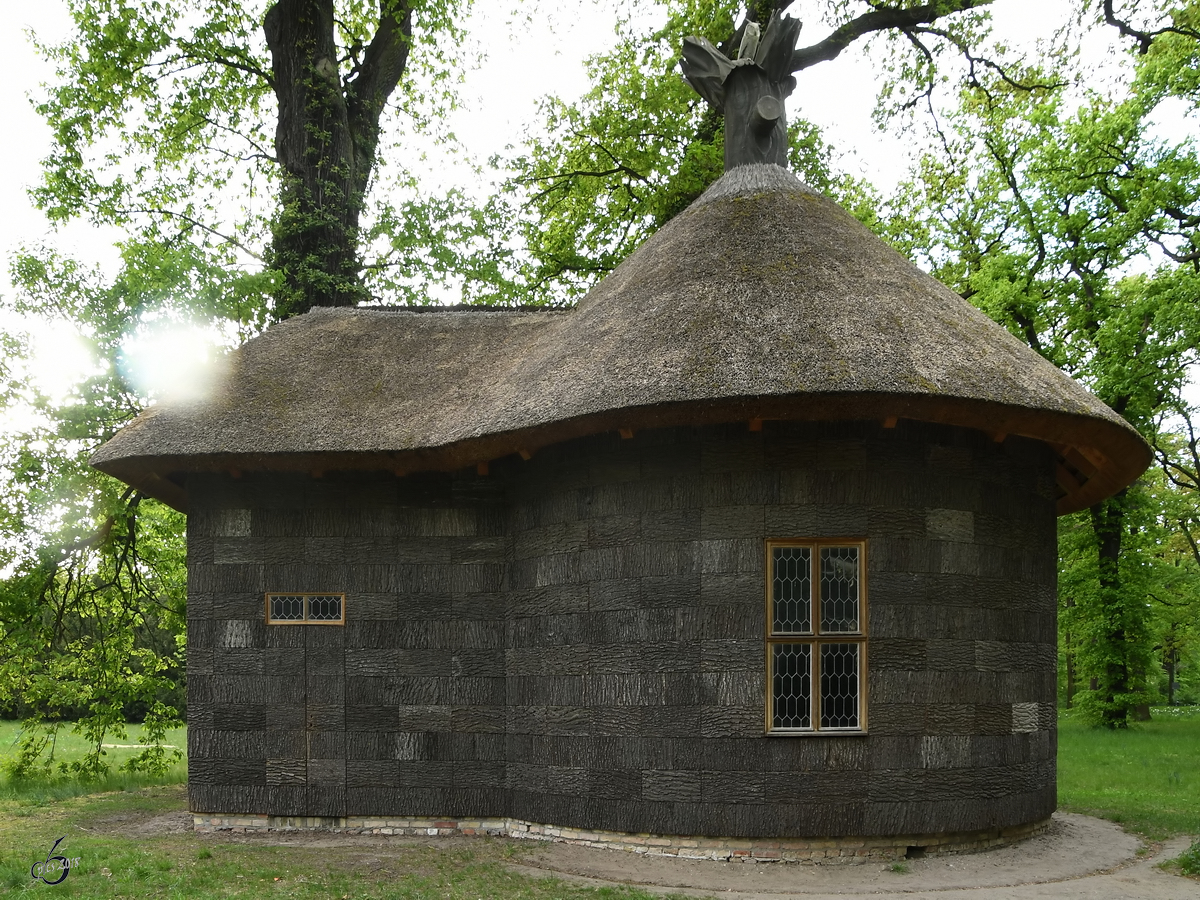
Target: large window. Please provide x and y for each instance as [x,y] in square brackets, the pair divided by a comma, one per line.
[816,637]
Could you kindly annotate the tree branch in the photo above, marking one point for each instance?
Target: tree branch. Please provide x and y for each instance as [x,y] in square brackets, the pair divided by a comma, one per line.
[367,92]
[194,223]
[883,18]
[1143,38]
[1171,254]
[237,59]
[1187,533]
[973,61]
[562,180]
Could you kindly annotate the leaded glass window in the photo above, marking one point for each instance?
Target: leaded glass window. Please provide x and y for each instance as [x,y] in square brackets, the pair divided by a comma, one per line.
[839,589]
[792,609]
[791,684]
[306,609]
[816,636]
[839,685]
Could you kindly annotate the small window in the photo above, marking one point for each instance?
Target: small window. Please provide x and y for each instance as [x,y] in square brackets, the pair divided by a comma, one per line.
[816,637]
[306,609]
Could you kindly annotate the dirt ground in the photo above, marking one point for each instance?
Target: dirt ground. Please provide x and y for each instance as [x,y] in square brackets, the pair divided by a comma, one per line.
[1079,858]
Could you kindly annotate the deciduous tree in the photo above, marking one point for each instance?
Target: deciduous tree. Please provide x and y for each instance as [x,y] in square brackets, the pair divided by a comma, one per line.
[236,147]
[251,133]
[1060,213]
[607,170]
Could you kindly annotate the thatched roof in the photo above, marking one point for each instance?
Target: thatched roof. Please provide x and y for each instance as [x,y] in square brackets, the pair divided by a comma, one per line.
[763,300]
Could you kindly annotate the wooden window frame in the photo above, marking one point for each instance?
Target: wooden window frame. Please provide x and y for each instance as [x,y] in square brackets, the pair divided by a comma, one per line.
[815,638]
[306,595]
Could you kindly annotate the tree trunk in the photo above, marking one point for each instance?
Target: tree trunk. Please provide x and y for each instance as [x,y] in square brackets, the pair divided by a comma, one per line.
[325,141]
[1069,652]
[1169,658]
[1171,681]
[1108,519]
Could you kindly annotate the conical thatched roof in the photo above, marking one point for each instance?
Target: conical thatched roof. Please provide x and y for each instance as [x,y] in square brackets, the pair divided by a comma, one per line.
[763,300]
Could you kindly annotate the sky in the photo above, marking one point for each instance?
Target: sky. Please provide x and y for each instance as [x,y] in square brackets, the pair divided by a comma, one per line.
[499,97]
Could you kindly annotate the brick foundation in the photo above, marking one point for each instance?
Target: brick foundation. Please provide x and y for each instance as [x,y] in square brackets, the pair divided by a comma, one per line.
[809,850]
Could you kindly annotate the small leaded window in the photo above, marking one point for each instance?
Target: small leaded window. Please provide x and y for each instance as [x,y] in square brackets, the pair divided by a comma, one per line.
[816,636]
[306,609]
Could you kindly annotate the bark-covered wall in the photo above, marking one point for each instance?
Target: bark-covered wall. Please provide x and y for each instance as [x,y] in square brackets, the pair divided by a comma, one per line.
[401,708]
[578,639]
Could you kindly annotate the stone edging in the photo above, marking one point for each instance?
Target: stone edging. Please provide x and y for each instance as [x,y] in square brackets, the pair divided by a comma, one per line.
[824,850]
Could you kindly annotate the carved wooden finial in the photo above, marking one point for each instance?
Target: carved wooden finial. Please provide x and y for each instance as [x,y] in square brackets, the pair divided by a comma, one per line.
[749,91]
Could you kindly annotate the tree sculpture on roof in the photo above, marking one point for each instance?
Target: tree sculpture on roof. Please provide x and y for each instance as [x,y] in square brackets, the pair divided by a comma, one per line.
[749,90]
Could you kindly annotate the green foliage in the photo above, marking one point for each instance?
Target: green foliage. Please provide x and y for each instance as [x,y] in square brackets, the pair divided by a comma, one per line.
[607,170]
[1171,65]
[93,603]
[433,247]
[1178,608]
[1189,860]
[164,117]
[1142,624]
[1059,213]
[158,109]
[92,634]
[32,782]
[1174,591]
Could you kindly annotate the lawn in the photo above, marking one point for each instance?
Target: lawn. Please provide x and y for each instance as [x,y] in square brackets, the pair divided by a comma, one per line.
[100,826]
[116,862]
[1147,777]
[69,747]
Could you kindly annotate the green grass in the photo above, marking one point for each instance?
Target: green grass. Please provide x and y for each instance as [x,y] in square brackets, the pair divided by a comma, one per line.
[70,747]
[102,824]
[114,864]
[1147,777]
[1189,862]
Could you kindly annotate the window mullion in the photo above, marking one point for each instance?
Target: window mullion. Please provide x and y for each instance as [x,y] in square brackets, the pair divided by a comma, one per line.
[815,595]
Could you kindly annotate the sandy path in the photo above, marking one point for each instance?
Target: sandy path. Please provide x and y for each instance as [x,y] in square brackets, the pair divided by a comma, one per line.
[1080,858]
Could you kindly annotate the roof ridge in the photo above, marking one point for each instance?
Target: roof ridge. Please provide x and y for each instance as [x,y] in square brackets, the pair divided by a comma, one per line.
[754,179]
[334,311]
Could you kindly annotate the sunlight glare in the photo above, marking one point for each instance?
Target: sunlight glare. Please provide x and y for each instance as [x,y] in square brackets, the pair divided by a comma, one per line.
[174,362]
[61,359]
